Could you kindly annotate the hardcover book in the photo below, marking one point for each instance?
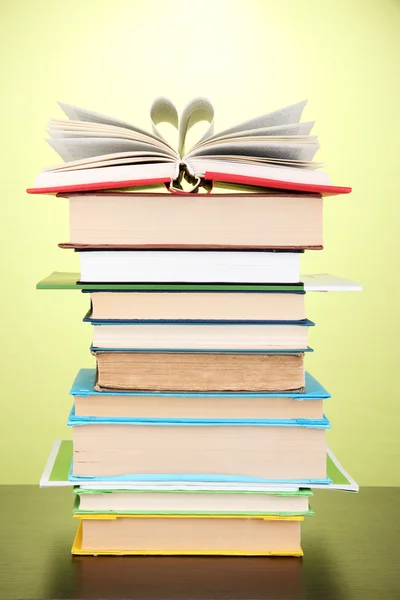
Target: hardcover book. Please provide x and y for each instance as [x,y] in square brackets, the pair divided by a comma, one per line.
[58,468]
[89,402]
[274,150]
[199,371]
[269,450]
[119,307]
[186,534]
[189,266]
[206,221]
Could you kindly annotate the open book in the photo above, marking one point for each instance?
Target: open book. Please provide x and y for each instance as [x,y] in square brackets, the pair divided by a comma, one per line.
[273,150]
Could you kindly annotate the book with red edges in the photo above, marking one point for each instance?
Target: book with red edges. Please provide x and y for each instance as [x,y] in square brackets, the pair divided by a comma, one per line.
[273,151]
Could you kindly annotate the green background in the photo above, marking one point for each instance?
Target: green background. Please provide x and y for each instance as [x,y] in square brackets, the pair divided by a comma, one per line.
[248,57]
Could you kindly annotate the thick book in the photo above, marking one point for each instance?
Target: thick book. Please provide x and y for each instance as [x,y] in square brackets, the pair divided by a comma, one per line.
[58,469]
[100,152]
[196,405]
[222,337]
[207,502]
[188,535]
[220,221]
[200,371]
[263,450]
[189,266]
[120,307]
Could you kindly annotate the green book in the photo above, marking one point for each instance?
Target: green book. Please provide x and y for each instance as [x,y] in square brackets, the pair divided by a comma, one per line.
[321,282]
[70,281]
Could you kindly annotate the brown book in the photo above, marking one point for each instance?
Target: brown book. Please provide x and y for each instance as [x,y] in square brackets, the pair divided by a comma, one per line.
[267,452]
[197,306]
[257,221]
[175,371]
[189,535]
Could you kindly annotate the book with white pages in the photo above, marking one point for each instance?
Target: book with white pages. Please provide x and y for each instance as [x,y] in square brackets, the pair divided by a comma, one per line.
[189,266]
[273,150]
[58,466]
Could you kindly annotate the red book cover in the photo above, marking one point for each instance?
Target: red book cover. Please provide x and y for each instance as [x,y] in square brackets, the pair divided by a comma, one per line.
[324,190]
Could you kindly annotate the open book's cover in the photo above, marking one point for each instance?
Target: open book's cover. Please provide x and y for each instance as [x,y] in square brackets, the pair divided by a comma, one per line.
[77,549]
[321,282]
[324,190]
[77,421]
[85,381]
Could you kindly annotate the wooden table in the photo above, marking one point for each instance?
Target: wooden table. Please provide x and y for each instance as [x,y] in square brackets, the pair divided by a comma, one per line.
[351,547]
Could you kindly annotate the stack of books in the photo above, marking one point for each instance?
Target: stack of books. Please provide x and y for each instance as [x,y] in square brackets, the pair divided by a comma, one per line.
[199,431]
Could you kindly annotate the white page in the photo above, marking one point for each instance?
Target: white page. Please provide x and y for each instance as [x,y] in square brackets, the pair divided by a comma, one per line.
[199,166]
[282,116]
[163,111]
[259,139]
[76,129]
[157,146]
[293,129]
[257,160]
[109,160]
[77,113]
[303,152]
[82,148]
[112,174]
[199,109]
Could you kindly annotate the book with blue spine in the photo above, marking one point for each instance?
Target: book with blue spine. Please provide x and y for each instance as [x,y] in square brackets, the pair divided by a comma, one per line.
[197,447]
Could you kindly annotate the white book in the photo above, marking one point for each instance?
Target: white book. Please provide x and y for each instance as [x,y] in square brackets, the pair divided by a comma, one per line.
[185,266]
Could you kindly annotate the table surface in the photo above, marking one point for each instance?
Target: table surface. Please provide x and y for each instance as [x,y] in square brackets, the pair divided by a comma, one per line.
[351,551]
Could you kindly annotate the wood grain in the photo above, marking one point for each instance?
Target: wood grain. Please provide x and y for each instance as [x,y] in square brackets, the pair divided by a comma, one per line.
[351,552]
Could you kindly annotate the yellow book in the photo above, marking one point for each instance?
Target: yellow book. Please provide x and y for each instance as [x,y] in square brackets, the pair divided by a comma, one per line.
[231,535]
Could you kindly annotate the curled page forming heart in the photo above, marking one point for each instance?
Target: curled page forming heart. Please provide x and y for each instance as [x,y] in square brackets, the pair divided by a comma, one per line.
[163,111]
[198,110]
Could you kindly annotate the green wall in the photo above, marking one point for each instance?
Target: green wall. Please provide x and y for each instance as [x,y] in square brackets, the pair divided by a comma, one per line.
[249,57]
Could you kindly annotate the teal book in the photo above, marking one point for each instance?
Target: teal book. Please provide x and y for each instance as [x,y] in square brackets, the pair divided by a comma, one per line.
[58,466]
[201,406]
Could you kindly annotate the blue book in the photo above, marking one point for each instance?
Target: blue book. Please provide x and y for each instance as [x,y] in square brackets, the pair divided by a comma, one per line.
[89,319]
[236,450]
[76,421]
[200,406]
[207,437]
[241,450]
[58,467]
